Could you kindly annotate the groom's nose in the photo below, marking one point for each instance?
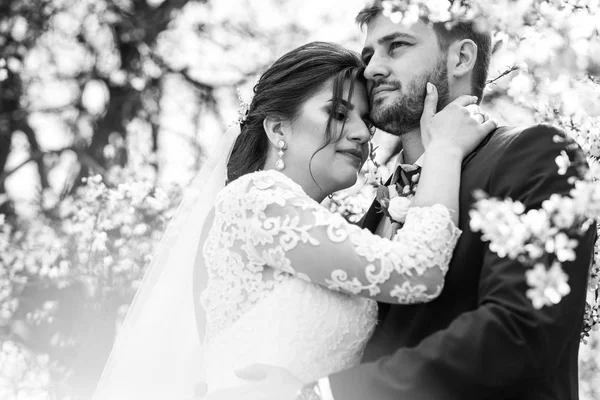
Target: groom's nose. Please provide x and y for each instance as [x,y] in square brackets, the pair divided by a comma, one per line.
[376,69]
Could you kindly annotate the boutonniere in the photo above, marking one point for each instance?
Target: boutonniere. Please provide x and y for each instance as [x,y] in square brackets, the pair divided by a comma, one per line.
[395,199]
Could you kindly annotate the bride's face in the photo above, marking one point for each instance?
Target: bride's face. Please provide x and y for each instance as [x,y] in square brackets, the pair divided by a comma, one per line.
[335,166]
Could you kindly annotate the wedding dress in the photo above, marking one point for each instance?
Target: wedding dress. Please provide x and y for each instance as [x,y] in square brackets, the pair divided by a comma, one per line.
[314,307]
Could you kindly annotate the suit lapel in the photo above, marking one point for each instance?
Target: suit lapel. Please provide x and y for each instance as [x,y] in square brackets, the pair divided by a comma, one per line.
[373,216]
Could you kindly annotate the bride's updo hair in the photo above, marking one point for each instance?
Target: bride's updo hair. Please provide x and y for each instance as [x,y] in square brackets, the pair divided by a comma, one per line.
[282,90]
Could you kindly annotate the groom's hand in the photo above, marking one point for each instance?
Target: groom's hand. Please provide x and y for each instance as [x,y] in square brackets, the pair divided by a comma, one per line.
[265,382]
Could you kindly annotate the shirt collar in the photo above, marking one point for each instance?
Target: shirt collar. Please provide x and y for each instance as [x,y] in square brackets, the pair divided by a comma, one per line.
[408,167]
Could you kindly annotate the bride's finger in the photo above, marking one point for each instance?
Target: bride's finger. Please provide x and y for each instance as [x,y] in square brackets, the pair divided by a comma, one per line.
[479,116]
[430,103]
[473,108]
[477,113]
[465,100]
[489,125]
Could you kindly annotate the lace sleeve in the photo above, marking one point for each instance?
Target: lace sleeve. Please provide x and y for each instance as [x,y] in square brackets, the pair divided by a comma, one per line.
[285,229]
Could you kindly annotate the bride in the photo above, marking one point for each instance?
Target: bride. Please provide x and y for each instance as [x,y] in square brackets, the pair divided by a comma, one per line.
[277,278]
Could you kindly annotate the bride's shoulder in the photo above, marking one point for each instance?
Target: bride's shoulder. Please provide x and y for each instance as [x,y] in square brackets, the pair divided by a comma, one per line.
[263,180]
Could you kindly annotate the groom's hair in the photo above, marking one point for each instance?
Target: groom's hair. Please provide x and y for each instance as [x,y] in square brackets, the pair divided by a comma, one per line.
[282,91]
[446,36]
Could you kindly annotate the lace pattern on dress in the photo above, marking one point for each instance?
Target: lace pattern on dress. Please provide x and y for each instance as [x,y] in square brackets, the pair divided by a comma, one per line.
[264,219]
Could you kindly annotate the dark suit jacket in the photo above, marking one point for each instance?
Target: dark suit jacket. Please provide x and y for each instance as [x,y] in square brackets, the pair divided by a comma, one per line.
[482,338]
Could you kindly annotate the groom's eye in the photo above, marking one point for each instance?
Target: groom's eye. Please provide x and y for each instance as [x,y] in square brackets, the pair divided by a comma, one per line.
[397,45]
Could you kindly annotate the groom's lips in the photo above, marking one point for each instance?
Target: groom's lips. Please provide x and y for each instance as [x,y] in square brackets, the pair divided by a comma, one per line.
[382,89]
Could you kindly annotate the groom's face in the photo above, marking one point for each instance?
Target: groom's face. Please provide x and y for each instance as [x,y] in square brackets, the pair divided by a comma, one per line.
[400,61]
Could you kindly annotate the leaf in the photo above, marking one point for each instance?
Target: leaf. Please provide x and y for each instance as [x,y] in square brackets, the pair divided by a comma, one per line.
[385,204]
[383,193]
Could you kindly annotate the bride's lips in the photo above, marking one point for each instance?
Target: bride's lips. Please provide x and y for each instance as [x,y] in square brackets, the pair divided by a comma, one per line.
[354,154]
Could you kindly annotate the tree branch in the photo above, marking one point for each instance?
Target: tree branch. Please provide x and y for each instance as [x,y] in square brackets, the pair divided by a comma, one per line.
[24,126]
[35,157]
[81,156]
[503,74]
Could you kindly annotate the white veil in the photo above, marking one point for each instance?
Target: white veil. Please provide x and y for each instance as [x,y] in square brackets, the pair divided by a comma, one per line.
[158,354]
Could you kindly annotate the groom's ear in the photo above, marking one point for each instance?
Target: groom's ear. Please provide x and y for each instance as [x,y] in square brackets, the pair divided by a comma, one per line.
[276,129]
[462,56]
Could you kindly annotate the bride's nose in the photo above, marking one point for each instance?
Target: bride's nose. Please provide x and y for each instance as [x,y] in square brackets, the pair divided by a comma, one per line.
[359,133]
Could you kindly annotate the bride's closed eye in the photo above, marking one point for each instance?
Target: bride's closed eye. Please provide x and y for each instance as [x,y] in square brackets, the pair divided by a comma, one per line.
[340,114]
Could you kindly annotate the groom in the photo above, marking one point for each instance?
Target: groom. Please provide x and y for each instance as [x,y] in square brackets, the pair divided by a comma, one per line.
[482,338]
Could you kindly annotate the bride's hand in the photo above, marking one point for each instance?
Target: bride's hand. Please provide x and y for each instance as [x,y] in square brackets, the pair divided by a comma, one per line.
[454,128]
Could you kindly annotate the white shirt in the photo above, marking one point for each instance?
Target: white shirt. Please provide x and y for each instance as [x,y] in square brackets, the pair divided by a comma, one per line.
[384,229]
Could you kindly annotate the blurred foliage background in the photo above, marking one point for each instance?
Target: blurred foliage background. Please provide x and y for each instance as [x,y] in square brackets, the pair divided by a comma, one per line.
[133,94]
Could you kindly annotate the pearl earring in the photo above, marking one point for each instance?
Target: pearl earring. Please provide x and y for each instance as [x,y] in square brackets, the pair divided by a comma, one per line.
[280,165]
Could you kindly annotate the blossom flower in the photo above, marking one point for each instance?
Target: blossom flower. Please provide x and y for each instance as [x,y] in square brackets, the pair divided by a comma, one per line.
[562,246]
[99,242]
[563,161]
[398,208]
[22,373]
[586,197]
[547,286]
[439,11]
[500,224]
[537,223]
[352,207]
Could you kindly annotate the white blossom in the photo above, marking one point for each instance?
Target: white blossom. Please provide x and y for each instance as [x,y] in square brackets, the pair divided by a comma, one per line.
[398,208]
[547,286]
[537,222]
[500,224]
[562,246]
[563,211]
[563,161]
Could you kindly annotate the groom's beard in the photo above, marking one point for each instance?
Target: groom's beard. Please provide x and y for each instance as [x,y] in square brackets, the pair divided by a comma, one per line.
[404,115]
